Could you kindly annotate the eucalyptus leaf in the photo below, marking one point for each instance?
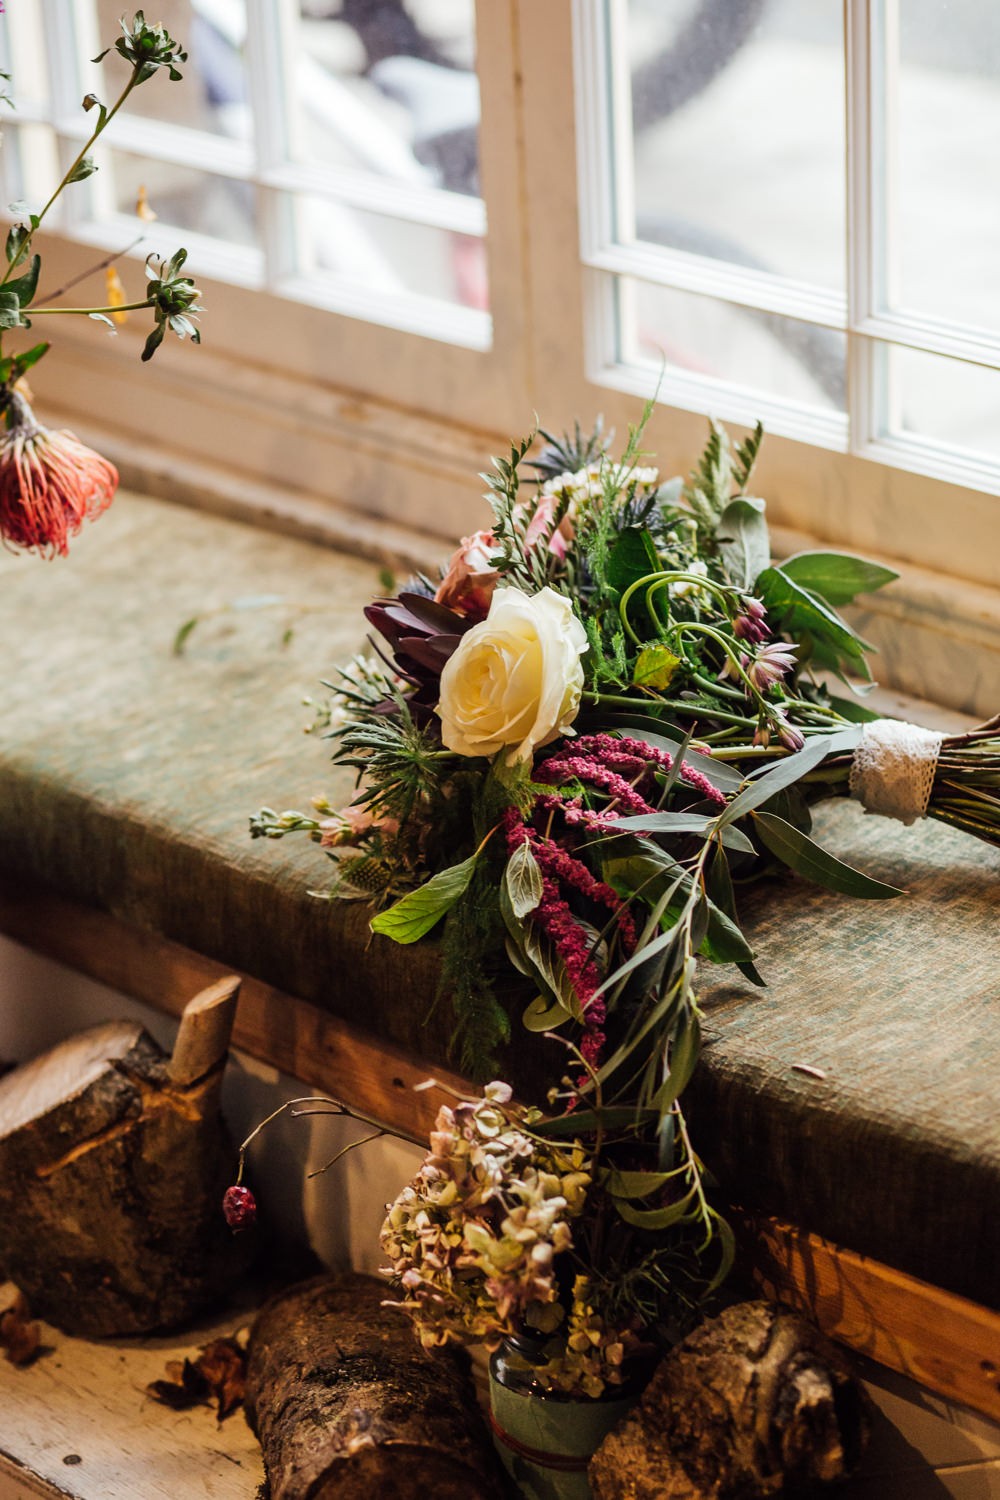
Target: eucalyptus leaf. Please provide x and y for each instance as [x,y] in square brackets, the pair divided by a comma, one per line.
[657,1218]
[637,1184]
[791,769]
[803,855]
[684,1053]
[418,911]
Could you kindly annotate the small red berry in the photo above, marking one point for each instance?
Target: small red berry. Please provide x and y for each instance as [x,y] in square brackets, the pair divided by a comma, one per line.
[239,1207]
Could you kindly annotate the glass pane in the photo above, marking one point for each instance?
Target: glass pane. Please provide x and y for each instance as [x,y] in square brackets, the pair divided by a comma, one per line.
[213,94]
[777,356]
[32,165]
[738,132]
[390,88]
[392,255]
[184,198]
[948,134]
[946,400]
[22,54]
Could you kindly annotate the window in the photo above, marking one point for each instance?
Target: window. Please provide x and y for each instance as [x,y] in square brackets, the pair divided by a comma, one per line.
[790,208]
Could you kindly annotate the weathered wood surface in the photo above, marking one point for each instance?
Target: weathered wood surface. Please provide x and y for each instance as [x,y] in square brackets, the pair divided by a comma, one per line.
[85,1402]
[127,774]
[896,1150]
[112,1167]
[347,1405]
[753,1402]
[943,1342]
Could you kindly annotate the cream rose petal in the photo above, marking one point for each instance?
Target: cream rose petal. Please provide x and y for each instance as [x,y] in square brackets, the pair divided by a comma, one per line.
[515,680]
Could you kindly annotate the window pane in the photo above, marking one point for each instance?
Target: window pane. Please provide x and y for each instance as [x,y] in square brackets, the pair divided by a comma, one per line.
[392,255]
[779,357]
[31,163]
[738,126]
[948,150]
[22,54]
[946,400]
[185,198]
[389,88]
[213,94]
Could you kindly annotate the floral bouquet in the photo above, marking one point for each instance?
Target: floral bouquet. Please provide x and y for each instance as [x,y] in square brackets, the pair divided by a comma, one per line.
[611,708]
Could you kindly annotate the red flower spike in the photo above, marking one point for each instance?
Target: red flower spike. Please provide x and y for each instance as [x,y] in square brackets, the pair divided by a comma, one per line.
[239,1207]
[50,483]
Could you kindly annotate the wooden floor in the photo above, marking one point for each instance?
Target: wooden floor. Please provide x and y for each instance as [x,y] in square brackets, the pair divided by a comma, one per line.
[77,1425]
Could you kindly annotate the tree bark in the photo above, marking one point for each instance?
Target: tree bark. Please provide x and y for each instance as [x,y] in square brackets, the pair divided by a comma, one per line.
[348,1406]
[755,1402]
[112,1169]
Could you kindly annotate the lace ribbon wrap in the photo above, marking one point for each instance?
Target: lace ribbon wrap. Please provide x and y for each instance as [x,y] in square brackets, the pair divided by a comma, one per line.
[893,769]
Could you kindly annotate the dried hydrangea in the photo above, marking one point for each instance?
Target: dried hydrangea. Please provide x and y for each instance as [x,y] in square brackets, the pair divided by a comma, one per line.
[473,1239]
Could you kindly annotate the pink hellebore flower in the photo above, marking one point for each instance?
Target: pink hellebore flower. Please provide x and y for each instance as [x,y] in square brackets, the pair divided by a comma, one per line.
[770,664]
[751,625]
[471,577]
[541,522]
[50,483]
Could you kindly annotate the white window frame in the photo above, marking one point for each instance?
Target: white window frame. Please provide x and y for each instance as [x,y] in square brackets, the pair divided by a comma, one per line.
[338,409]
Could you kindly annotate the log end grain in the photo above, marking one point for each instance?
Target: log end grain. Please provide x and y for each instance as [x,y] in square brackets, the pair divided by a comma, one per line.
[755,1402]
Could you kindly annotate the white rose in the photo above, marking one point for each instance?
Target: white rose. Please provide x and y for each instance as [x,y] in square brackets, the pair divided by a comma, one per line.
[514,682]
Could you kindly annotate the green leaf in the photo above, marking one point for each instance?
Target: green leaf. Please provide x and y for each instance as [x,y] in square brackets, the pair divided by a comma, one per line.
[837,576]
[791,769]
[655,667]
[798,612]
[181,638]
[545,1015]
[633,557]
[684,1053]
[746,457]
[657,1218]
[744,541]
[10,310]
[99,317]
[83,169]
[24,287]
[17,237]
[418,911]
[805,857]
[681,823]
[523,879]
[637,1184]
[854,712]
[30,357]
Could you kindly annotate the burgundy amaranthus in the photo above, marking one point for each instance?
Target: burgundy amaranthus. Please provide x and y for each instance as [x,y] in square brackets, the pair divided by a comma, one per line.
[50,483]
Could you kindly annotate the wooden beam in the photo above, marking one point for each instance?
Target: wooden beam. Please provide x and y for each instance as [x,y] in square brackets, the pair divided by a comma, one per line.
[944,1342]
[300,1039]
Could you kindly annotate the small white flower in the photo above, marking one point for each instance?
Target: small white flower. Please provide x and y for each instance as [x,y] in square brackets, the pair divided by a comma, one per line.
[683,589]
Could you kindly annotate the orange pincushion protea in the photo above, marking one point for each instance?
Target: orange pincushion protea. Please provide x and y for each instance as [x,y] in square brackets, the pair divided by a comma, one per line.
[50,483]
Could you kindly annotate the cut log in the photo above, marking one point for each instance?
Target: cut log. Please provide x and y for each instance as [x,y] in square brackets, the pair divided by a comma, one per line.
[113,1160]
[348,1406]
[755,1402]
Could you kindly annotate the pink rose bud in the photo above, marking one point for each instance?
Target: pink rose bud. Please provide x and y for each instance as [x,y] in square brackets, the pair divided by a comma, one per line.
[239,1207]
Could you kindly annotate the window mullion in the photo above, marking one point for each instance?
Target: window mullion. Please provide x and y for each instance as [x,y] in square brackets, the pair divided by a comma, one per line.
[269,54]
[866,367]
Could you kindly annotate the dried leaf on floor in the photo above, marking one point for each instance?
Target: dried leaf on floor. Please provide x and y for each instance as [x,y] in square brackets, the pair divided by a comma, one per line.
[19,1336]
[217,1377]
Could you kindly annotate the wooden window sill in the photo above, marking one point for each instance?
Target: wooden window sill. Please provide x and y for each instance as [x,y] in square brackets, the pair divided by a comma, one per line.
[127,775]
